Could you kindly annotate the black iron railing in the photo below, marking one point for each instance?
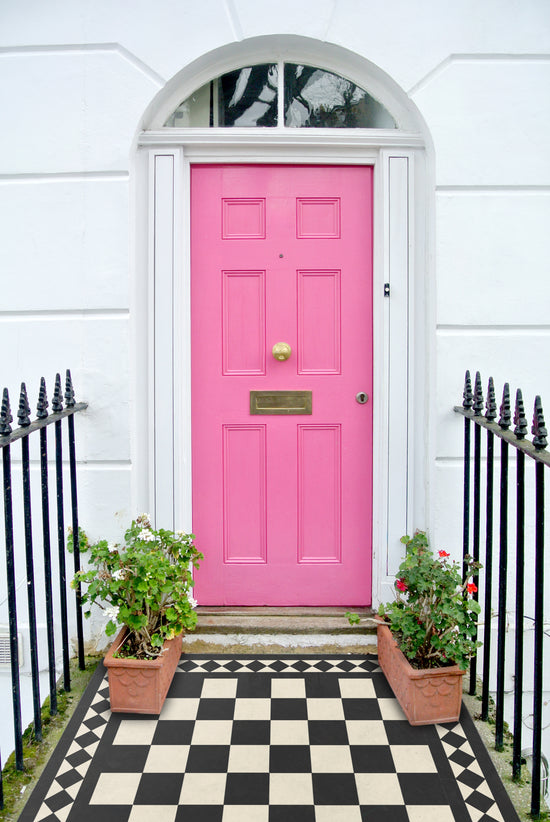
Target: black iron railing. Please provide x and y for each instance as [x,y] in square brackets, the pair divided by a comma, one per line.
[472,410]
[8,438]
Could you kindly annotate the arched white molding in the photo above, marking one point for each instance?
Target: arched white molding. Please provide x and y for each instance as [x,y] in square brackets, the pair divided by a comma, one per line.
[288,48]
[403,322]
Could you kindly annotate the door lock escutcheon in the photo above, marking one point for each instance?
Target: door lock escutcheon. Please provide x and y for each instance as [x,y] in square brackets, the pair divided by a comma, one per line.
[362,397]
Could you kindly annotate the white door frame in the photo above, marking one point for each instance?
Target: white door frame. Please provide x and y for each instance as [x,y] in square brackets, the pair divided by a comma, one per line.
[400,343]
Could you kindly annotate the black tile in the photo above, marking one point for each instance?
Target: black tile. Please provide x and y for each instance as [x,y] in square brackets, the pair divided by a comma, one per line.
[361,709]
[174,732]
[216,709]
[159,789]
[124,758]
[319,685]
[251,732]
[334,789]
[372,759]
[68,778]
[471,779]
[185,686]
[384,813]
[462,758]
[381,687]
[78,758]
[199,813]
[207,759]
[399,732]
[327,732]
[87,739]
[291,813]
[422,789]
[58,800]
[95,722]
[480,801]
[247,789]
[106,813]
[289,759]
[288,709]
[250,686]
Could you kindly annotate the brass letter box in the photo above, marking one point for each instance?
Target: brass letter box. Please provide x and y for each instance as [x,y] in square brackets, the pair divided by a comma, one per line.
[280,402]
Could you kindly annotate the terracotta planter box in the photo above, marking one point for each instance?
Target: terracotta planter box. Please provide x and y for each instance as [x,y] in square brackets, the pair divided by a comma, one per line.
[139,686]
[428,697]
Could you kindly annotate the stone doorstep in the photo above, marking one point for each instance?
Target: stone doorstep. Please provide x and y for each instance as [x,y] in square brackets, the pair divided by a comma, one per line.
[281,630]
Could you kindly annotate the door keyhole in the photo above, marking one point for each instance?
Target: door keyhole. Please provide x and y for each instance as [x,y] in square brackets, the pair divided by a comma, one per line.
[362,398]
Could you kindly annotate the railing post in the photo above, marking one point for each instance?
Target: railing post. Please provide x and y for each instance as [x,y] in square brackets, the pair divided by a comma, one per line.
[539,441]
[5,428]
[504,423]
[520,431]
[25,420]
[57,405]
[42,413]
[467,404]
[69,403]
[490,415]
[478,408]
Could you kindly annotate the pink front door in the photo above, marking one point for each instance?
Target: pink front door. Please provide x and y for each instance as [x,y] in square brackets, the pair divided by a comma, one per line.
[282,502]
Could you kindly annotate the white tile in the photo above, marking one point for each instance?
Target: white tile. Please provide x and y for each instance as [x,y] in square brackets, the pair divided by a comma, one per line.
[290,789]
[430,813]
[221,688]
[366,732]
[289,732]
[378,789]
[331,759]
[203,789]
[166,759]
[325,709]
[135,731]
[246,813]
[252,709]
[288,688]
[180,709]
[115,789]
[390,709]
[357,689]
[248,759]
[212,732]
[413,759]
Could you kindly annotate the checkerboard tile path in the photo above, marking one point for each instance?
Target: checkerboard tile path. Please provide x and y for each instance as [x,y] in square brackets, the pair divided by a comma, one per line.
[268,739]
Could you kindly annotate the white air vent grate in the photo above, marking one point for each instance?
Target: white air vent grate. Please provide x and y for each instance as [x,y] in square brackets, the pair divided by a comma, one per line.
[5,656]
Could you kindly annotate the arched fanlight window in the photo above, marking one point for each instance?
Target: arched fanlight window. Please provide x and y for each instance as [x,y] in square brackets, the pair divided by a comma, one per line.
[271,94]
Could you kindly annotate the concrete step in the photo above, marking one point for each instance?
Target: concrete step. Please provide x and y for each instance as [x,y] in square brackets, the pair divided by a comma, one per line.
[284,630]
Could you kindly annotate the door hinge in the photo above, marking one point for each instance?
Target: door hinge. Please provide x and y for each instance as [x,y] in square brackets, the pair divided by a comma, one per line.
[386,289]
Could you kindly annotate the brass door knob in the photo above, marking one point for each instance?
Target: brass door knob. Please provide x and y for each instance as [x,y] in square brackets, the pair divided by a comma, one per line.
[281,351]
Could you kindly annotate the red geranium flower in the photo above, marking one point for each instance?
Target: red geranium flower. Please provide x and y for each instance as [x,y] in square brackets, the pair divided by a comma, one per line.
[400,584]
[444,554]
[472,588]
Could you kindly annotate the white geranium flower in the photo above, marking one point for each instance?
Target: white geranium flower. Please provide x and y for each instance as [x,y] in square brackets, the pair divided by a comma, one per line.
[192,601]
[112,612]
[118,574]
[146,535]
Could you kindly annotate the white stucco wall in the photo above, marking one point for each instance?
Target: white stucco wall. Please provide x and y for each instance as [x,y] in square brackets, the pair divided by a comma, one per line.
[76,77]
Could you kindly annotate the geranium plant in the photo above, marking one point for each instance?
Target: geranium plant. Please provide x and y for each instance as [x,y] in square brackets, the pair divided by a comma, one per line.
[433,616]
[144,584]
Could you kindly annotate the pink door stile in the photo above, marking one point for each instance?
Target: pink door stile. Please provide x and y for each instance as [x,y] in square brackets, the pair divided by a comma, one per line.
[282,503]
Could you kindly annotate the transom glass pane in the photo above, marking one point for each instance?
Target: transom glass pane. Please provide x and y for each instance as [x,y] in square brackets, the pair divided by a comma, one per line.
[245,97]
[316,98]
[248,97]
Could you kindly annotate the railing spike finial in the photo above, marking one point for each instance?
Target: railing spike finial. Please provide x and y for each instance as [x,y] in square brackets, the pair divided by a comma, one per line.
[69,390]
[24,412]
[467,393]
[491,406]
[505,413]
[57,401]
[5,414]
[520,420]
[478,396]
[539,428]
[42,407]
